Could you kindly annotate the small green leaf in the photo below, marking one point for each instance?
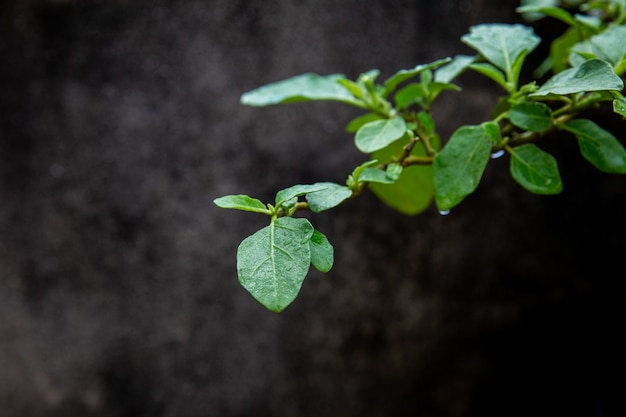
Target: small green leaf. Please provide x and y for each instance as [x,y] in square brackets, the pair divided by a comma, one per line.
[305,87]
[531,116]
[501,44]
[460,165]
[241,202]
[394,170]
[619,106]
[322,252]
[598,146]
[329,197]
[379,133]
[392,82]
[449,72]
[273,262]
[535,170]
[356,174]
[375,175]
[296,191]
[592,75]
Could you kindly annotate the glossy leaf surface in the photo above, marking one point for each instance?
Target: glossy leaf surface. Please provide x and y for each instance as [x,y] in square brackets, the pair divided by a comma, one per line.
[592,75]
[273,262]
[460,164]
[535,170]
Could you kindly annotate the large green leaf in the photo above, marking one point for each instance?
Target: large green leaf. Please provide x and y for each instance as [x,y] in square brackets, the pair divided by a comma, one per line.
[329,197]
[531,116]
[535,170]
[501,44]
[273,262]
[305,87]
[598,146]
[592,75]
[379,133]
[460,164]
[241,202]
[322,252]
[412,192]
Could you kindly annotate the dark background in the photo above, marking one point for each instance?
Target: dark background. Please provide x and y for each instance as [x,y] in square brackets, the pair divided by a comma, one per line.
[120,122]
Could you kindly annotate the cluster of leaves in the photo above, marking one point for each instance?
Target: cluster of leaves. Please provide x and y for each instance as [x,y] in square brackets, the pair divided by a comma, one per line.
[409,167]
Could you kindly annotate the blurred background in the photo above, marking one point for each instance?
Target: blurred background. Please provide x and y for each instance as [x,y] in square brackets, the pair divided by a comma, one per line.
[120,122]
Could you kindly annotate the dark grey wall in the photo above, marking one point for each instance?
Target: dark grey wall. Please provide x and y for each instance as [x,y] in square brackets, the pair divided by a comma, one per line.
[120,123]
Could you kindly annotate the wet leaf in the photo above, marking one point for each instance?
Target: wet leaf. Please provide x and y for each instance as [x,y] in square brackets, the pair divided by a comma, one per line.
[501,44]
[592,75]
[460,164]
[273,262]
[535,170]
[534,117]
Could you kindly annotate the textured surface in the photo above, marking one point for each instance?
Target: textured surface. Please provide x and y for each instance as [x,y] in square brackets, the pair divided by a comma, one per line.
[120,122]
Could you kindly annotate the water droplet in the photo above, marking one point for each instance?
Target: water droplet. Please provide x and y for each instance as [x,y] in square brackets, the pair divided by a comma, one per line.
[498,154]
[444,212]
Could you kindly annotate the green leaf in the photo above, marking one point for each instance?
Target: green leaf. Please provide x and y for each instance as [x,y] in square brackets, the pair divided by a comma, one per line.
[356,123]
[241,202]
[392,82]
[449,72]
[619,106]
[608,45]
[322,252]
[543,10]
[598,146]
[460,164]
[375,175]
[412,192]
[535,170]
[356,174]
[413,93]
[592,75]
[531,116]
[298,190]
[421,94]
[305,87]
[379,133]
[273,262]
[492,72]
[501,44]
[329,197]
